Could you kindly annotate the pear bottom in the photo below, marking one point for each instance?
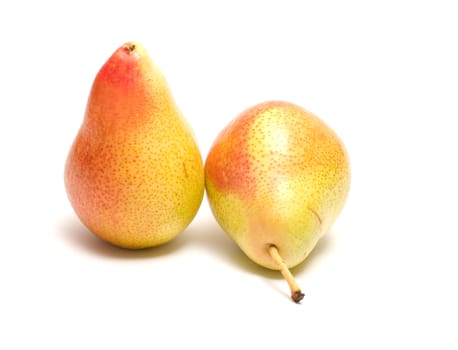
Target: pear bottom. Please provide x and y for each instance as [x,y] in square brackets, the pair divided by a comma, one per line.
[294,231]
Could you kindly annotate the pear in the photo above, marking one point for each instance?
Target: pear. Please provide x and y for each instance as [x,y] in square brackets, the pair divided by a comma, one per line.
[134,174]
[276,178]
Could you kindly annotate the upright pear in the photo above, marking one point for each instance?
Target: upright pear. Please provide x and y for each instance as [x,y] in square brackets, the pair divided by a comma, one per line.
[134,174]
[277,177]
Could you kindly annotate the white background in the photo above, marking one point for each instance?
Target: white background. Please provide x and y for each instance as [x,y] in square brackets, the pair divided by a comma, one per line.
[383,74]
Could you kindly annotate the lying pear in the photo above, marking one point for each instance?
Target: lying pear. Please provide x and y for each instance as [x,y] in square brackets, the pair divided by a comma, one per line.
[277,177]
[134,174]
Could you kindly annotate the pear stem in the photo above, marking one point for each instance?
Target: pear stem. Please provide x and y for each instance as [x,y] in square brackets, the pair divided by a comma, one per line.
[129,47]
[296,293]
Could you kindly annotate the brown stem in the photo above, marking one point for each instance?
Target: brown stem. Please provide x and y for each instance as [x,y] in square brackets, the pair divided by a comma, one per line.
[296,293]
[129,47]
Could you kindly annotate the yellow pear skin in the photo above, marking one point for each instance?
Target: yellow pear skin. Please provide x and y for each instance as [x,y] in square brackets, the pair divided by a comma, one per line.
[134,174]
[277,178]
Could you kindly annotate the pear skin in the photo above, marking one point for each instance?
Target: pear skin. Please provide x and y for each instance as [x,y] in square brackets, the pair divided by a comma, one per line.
[277,178]
[134,174]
